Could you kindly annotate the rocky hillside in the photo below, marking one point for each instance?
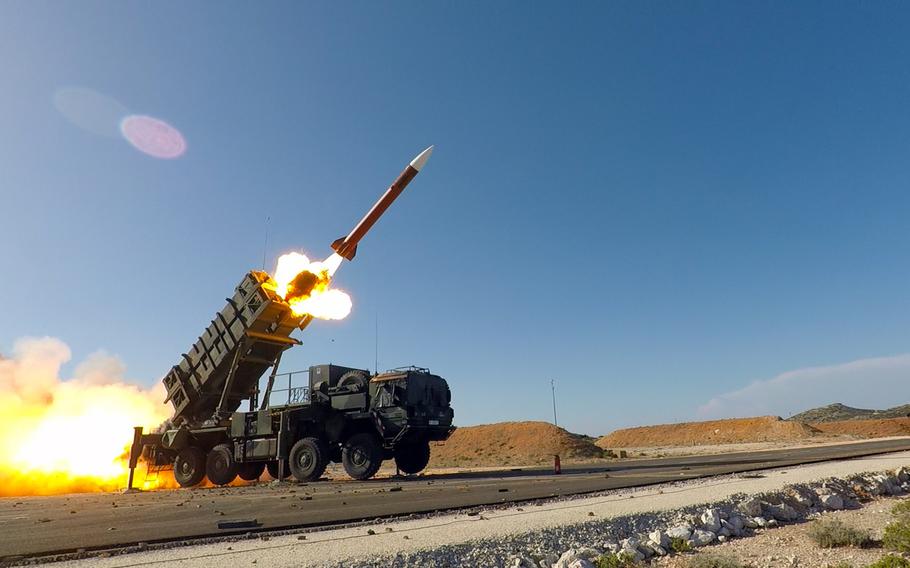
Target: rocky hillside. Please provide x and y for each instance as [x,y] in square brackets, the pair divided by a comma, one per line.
[868,428]
[511,443]
[838,411]
[730,431]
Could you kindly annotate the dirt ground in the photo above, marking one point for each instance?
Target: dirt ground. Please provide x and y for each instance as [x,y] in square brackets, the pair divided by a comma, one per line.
[731,431]
[790,546]
[511,443]
[867,428]
[762,429]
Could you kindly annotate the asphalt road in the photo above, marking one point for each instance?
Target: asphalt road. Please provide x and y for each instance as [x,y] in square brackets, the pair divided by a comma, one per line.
[44,525]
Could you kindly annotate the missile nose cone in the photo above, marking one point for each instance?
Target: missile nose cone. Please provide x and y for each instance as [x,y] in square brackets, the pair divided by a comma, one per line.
[421,159]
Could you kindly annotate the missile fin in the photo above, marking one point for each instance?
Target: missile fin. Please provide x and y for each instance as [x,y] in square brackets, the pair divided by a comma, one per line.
[338,246]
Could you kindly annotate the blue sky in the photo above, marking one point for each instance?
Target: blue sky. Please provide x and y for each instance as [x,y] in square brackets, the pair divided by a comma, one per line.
[653,203]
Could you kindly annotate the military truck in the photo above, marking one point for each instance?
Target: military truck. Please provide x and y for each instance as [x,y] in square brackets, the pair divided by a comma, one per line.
[349,415]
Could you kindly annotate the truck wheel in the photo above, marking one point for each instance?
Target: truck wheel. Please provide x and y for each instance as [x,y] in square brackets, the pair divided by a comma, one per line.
[189,466]
[250,471]
[355,379]
[308,459]
[220,466]
[272,468]
[361,456]
[412,457]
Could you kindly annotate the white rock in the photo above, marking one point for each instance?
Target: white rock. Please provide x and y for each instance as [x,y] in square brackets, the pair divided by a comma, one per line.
[734,524]
[680,531]
[611,547]
[702,538]
[587,553]
[659,538]
[751,507]
[721,538]
[631,542]
[710,520]
[782,512]
[724,532]
[831,501]
[581,563]
[548,560]
[803,497]
[630,546]
[567,558]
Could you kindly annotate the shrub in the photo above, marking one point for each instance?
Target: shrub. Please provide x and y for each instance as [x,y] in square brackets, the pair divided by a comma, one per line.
[897,535]
[713,561]
[621,560]
[891,562]
[901,509]
[680,545]
[834,533]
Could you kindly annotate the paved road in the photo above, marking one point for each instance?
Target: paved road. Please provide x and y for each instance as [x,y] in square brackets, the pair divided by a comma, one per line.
[42,525]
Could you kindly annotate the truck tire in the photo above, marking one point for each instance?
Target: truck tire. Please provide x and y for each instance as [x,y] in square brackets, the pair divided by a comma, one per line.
[272,468]
[412,457]
[361,456]
[354,379]
[308,459]
[189,467]
[220,466]
[250,471]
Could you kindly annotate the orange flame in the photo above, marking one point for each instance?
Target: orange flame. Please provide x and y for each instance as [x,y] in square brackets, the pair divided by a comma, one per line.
[62,436]
[304,285]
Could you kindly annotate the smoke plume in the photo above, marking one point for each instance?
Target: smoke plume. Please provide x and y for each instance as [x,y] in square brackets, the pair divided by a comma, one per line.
[63,435]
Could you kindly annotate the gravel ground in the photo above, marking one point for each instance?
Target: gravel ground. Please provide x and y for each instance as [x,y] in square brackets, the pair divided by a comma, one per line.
[491,537]
[790,546]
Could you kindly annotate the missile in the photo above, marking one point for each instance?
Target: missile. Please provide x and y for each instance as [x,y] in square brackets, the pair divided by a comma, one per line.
[347,246]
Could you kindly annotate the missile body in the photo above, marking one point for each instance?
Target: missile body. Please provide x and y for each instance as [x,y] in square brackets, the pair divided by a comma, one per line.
[347,246]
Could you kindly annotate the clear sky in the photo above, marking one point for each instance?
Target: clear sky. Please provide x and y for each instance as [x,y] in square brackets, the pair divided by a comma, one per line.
[655,203]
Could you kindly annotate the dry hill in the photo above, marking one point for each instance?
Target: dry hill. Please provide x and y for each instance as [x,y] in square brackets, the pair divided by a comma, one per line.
[867,428]
[511,443]
[730,431]
[838,412]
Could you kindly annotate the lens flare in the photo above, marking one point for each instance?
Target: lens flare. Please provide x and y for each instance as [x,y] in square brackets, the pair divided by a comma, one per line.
[90,110]
[153,136]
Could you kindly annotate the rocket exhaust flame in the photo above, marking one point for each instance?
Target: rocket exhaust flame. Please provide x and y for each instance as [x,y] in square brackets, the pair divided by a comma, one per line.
[62,436]
[304,285]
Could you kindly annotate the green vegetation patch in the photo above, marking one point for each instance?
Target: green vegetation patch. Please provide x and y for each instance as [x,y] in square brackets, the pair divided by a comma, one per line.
[713,561]
[621,560]
[897,533]
[834,533]
[891,561]
[680,545]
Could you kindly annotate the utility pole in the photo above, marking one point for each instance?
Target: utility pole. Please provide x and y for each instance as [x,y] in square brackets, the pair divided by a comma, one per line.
[553,391]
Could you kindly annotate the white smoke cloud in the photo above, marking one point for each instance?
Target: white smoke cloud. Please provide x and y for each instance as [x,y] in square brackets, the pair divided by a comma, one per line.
[880,382]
